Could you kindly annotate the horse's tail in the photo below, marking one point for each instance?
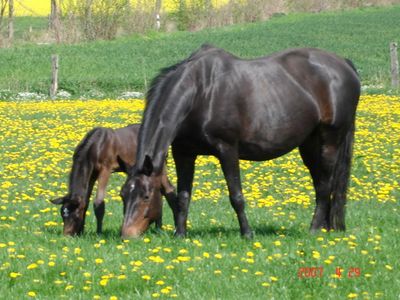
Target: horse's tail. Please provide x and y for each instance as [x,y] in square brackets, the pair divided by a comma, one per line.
[341,178]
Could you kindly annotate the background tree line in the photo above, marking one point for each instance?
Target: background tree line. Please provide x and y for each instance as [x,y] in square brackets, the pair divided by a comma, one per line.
[79,20]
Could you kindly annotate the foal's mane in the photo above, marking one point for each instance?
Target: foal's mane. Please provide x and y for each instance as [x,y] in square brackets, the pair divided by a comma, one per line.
[82,148]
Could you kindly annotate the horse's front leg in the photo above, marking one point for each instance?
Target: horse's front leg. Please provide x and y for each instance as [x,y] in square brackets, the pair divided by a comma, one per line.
[229,159]
[184,171]
[98,204]
[168,191]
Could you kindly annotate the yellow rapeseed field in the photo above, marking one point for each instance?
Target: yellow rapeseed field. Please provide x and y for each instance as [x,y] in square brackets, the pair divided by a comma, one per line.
[42,7]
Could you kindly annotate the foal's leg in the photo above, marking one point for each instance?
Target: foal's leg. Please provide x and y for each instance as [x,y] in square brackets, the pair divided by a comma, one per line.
[185,171]
[319,154]
[98,204]
[229,160]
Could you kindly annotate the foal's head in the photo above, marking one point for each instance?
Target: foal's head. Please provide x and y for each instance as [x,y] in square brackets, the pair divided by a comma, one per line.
[73,214]
[141,195]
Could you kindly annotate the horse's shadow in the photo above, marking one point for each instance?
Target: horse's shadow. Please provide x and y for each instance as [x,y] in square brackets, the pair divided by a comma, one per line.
[259,230]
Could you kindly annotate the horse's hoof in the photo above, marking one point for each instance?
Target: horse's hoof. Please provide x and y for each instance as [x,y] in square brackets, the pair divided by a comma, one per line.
[179,234]
[248,235]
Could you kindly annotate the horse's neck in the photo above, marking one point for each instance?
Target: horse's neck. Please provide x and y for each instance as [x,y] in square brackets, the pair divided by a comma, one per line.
[159,132]
[79,177]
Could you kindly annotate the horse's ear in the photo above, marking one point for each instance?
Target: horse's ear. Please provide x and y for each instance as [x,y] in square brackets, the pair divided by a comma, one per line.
[123,165]
[147,166]
[59,201]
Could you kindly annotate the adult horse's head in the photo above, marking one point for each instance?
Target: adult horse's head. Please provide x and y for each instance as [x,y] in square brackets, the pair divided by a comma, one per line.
[141,195]
[73,214]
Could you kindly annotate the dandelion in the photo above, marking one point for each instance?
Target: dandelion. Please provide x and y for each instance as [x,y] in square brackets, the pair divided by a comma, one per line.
[31,294]
[146,277]
[352,295]
[183,258]
[257,245]
[103,282]
[98,261]
[273,278]
[389,267]
[32,266]
[265,284]
[15,275]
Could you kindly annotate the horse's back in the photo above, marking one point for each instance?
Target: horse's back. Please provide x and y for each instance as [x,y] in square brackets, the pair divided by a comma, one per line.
[270,105]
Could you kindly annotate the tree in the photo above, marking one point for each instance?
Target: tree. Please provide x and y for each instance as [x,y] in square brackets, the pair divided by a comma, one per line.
[3,7]
[10,20]
[55,19]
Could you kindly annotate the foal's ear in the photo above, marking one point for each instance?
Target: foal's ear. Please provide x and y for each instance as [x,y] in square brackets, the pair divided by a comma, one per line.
[59,201]
[147,166]
[123,165]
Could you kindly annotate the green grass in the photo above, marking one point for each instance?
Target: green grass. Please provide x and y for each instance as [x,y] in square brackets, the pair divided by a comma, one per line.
[129,63]
[38,139]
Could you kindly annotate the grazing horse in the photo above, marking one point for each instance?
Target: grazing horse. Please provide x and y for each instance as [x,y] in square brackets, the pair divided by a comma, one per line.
[213,103]
[102,152]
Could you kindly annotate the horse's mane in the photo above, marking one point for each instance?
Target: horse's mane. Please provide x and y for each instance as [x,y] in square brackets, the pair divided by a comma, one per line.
[157,84]
[156,98]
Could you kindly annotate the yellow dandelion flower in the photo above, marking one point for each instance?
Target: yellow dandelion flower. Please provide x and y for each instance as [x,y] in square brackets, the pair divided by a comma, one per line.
[146,277]
[31,294]
[15,274]
[32,266]
[352,295]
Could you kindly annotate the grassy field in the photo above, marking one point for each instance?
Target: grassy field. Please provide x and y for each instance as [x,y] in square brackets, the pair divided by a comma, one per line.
[37,141]
[126,64]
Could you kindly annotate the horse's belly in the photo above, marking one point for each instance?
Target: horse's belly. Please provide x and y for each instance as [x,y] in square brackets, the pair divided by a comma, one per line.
[261,152]
[268,144]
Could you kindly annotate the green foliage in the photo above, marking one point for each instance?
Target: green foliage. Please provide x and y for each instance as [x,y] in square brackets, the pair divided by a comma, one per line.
[128,63]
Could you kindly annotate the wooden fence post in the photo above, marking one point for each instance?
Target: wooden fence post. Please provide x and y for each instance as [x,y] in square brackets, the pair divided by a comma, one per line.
[394,65]
[54,76]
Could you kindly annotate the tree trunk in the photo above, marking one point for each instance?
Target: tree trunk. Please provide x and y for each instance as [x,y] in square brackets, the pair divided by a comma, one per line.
[10,20]
[55,20]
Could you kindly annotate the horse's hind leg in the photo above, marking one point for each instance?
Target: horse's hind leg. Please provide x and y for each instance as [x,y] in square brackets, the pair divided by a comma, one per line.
[98,204]
[319,154]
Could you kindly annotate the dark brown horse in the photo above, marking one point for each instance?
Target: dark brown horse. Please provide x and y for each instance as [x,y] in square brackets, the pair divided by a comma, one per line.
[214,103]
[102,152]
